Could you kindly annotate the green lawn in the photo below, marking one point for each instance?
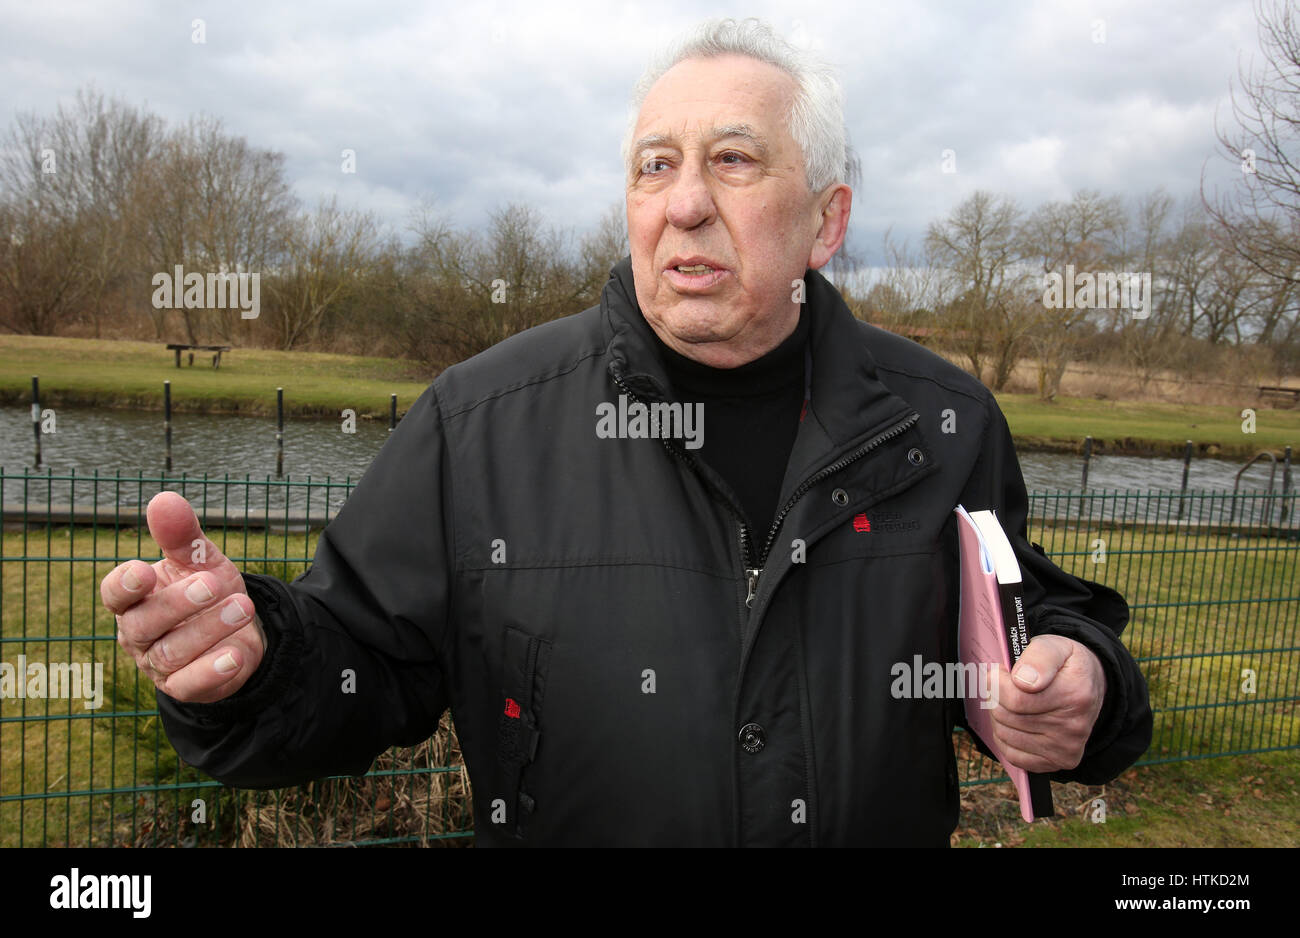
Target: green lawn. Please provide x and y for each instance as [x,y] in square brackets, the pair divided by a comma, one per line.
[1203,609]
[1133,425]
[1235,801]
[50,611]
[87,372]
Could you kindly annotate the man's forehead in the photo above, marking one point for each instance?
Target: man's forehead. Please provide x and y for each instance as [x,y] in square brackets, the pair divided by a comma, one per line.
[700,97]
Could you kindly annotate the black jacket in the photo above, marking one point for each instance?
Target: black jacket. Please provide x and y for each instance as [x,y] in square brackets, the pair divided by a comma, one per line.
[580,603]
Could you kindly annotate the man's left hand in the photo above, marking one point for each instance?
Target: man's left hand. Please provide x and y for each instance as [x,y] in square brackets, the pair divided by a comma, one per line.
[1048,703]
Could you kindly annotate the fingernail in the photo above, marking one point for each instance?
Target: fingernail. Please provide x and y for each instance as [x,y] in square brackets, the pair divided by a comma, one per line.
[225,663]
[1028,674]
[130,582]
[232,613]
[198,591]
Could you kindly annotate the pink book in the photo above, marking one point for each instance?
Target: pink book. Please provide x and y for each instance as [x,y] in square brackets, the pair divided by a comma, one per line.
[991,631]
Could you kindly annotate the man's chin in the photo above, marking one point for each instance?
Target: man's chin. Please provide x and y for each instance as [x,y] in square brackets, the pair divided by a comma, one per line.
[705,342]
[693,330]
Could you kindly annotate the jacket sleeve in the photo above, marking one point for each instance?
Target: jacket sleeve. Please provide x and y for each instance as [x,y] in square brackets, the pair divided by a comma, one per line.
[1058,603]
[352,662]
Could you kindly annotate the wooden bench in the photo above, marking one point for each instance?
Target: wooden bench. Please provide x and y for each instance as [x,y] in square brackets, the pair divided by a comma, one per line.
[1290,395]
[216,358]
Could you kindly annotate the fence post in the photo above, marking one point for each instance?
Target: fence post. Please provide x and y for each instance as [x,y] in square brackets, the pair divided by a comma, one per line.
[36,417]
[279,432]
[392,412]
[1285,507]
[1187,465]
[167,421]
[1087,456]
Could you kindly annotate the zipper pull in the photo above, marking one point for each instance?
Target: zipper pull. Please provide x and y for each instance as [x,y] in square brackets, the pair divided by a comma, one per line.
[751,576]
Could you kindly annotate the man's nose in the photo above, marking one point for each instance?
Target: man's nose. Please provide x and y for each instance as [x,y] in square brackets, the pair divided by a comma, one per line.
[690,201]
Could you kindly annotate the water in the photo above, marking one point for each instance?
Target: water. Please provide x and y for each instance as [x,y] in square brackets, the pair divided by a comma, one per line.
[1048,471]
[130,442]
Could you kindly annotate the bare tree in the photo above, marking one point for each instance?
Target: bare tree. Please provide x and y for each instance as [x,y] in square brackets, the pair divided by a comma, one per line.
[324,253]
[1261,216]
[42,270]
[1078,235]
[1143,243]
[43,250]
[907,290]
[606,244]
[110,146]
[212,204]
[978,246]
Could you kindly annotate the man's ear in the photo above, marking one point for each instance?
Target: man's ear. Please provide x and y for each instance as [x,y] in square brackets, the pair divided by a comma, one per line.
[835,204]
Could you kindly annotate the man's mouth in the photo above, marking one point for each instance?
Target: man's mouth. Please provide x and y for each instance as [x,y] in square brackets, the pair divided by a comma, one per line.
[694,275]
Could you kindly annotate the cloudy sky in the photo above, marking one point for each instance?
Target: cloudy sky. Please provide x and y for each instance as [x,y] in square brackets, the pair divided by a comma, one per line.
[472,106]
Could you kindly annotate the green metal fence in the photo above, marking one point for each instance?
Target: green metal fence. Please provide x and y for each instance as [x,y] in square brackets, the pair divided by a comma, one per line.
[1210,578]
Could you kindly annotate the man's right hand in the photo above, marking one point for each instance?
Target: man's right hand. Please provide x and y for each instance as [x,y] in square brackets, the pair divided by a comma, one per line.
[186,619]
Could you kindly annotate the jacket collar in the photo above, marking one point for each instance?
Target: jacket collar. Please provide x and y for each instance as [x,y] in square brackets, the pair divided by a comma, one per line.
[849,401]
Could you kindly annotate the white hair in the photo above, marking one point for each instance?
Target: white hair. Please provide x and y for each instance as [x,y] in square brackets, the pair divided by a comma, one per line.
[816,118]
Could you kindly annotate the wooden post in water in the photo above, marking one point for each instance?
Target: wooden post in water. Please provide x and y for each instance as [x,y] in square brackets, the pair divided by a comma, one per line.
[167,422]
[1286,485]
[392,412]
[36,417]
[1187,465]
[1087,455]
[279,432]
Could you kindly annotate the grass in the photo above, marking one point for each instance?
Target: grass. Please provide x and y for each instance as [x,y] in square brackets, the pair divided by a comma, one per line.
[1238,801]
[50,610]
[88,372]
[1204,606]
[1146,427]
[109,776]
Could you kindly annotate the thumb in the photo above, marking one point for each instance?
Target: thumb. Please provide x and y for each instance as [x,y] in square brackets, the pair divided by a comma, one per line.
[175,527]
[1039,662]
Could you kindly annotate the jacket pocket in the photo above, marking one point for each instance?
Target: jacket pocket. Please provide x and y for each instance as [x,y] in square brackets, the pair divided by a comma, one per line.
[525,661]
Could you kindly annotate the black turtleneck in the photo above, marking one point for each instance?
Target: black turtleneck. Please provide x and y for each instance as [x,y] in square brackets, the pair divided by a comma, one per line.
[751,416]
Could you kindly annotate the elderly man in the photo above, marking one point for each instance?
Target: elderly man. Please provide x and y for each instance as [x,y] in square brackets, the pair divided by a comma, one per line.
[645,635]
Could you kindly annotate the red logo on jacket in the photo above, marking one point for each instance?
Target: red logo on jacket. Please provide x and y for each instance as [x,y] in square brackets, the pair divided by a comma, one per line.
[512,708]
[861,523]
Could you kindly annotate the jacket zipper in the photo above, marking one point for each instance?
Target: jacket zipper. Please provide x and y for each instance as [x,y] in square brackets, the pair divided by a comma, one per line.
[754,572]
[803,487]
[746,562]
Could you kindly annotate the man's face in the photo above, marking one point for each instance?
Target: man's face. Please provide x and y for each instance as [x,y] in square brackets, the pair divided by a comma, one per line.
[717,185]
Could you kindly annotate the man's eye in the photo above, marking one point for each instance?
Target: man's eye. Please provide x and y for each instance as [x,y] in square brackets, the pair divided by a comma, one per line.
[652,166]
[731,158]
